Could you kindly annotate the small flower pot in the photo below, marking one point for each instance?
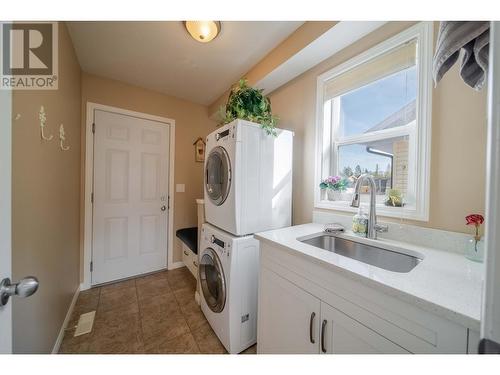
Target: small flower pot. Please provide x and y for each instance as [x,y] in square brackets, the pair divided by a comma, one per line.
[334,195]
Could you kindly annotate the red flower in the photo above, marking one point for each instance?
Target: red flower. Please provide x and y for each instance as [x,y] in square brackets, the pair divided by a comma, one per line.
[474,219]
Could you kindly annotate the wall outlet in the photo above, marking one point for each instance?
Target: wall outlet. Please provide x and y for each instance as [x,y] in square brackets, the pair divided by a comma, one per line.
[180,188]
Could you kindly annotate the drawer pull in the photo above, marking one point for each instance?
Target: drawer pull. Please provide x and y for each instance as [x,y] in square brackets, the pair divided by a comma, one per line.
[311,324]
[195,263]
[323,328]
[186,253]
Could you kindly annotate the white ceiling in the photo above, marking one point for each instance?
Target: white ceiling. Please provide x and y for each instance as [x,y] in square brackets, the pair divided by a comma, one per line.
[162,56]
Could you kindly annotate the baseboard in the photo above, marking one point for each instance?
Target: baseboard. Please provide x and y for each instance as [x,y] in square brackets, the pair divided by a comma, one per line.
[60,337]
[175,265]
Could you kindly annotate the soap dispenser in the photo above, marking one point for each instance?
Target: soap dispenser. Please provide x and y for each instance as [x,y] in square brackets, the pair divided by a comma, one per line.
[360,222]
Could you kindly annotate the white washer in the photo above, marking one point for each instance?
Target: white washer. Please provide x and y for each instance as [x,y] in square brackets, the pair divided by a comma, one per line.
[228,274]
[248,178]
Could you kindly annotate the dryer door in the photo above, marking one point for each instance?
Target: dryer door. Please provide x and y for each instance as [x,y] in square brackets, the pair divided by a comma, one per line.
[212,280]
[218,175]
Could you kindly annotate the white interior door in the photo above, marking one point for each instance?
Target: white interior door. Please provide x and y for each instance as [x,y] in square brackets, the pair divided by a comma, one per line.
[5,214]
[130,210]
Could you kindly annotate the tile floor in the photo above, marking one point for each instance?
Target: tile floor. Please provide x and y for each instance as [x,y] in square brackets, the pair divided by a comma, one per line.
[154,314]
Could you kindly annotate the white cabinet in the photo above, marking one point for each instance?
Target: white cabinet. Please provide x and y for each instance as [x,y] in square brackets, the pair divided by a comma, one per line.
[288,319]
[348,316]
[341,334]
[293,321]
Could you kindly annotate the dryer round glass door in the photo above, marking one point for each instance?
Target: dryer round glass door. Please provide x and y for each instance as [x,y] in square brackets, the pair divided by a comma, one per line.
[218,175]
[212,280]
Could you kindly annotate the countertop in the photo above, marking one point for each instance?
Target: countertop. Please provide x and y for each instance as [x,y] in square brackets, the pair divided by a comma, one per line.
[443,283]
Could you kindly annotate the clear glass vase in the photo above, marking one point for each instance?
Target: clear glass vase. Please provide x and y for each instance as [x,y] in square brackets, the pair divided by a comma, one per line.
[475,250]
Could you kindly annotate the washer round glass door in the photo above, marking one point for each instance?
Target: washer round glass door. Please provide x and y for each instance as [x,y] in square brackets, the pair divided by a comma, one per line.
[212,280]
[218,175]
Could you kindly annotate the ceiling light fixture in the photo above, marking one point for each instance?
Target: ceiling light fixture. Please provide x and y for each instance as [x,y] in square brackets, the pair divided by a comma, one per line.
[203,31]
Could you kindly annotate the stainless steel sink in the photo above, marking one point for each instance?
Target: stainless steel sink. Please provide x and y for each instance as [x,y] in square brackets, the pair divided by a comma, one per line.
[375,256]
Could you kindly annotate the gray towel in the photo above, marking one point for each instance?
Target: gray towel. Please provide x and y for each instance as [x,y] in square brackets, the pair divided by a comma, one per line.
[471,36]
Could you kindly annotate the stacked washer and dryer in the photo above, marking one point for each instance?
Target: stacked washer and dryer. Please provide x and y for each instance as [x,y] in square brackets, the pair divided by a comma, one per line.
[248,189]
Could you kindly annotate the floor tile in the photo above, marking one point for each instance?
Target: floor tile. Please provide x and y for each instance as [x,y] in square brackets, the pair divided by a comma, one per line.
[87,301]
[154,276]
[156,313]
[117,341]
[74,345]
[153,287]
[184,344]
[117,286]
[184,295]
[181,278]
[193,315]
[117,298]
[207,341]
[158,307]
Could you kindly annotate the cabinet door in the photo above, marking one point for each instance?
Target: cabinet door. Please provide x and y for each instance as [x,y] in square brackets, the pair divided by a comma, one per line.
[288,317]
[341,334]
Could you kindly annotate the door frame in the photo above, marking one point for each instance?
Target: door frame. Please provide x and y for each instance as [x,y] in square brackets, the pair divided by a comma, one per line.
[7,122]
[89,183]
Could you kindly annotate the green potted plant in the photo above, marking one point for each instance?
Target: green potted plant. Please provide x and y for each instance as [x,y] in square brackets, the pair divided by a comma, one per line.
[394,198]
[334,186]
[248,103]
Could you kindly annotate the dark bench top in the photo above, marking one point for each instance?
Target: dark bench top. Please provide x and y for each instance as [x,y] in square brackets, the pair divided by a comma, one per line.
[190,237]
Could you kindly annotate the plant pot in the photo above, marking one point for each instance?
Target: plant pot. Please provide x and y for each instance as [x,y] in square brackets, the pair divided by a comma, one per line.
[334,195]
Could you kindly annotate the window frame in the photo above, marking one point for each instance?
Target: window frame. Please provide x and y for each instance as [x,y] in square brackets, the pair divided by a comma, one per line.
[419,150]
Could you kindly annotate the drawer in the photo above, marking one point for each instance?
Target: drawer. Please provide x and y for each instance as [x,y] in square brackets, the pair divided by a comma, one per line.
[190,260]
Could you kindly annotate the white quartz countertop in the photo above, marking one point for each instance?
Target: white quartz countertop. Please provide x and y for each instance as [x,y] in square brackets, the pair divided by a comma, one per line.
[444,283]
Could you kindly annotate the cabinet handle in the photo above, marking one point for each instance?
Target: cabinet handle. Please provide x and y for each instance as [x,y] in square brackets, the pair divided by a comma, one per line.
[323,327]
[311,323]
[186,253]
[195,263]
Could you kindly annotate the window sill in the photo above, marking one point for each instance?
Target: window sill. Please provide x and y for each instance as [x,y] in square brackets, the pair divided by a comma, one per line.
[408,212]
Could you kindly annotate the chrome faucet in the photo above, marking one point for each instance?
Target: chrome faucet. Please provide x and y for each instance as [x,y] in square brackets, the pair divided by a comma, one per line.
[373,227]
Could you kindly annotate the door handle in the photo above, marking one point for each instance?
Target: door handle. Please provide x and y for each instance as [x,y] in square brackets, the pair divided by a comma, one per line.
[311,324]
[323,328]
[24,288]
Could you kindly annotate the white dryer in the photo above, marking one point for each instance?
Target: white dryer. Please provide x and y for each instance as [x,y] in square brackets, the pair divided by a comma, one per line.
[248,178]
[228,274]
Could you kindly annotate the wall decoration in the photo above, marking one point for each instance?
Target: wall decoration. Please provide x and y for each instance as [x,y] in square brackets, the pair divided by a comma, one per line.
[43,119]
[199,150]
[62,138]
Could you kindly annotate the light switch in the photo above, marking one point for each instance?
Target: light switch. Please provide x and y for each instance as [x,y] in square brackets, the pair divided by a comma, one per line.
[180,188]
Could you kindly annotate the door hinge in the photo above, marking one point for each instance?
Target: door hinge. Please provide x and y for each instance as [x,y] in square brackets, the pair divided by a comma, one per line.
[168,202]
[92,198]
[91,266]
[93,127]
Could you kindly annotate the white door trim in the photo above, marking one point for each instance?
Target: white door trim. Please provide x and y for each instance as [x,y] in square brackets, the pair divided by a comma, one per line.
[89,182]
[7,123]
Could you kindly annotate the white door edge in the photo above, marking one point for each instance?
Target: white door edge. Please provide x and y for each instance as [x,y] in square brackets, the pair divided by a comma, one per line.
[89,173]
[490,321]
[6,121]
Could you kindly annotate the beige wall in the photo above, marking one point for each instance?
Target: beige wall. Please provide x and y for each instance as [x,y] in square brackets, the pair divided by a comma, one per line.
[191,122]
[458,139]
[45,205]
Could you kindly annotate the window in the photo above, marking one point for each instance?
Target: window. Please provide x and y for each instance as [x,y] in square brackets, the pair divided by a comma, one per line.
[374,117]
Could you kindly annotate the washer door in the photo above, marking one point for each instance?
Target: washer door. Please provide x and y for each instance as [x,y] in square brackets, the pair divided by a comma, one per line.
[218,175]
[212,280]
